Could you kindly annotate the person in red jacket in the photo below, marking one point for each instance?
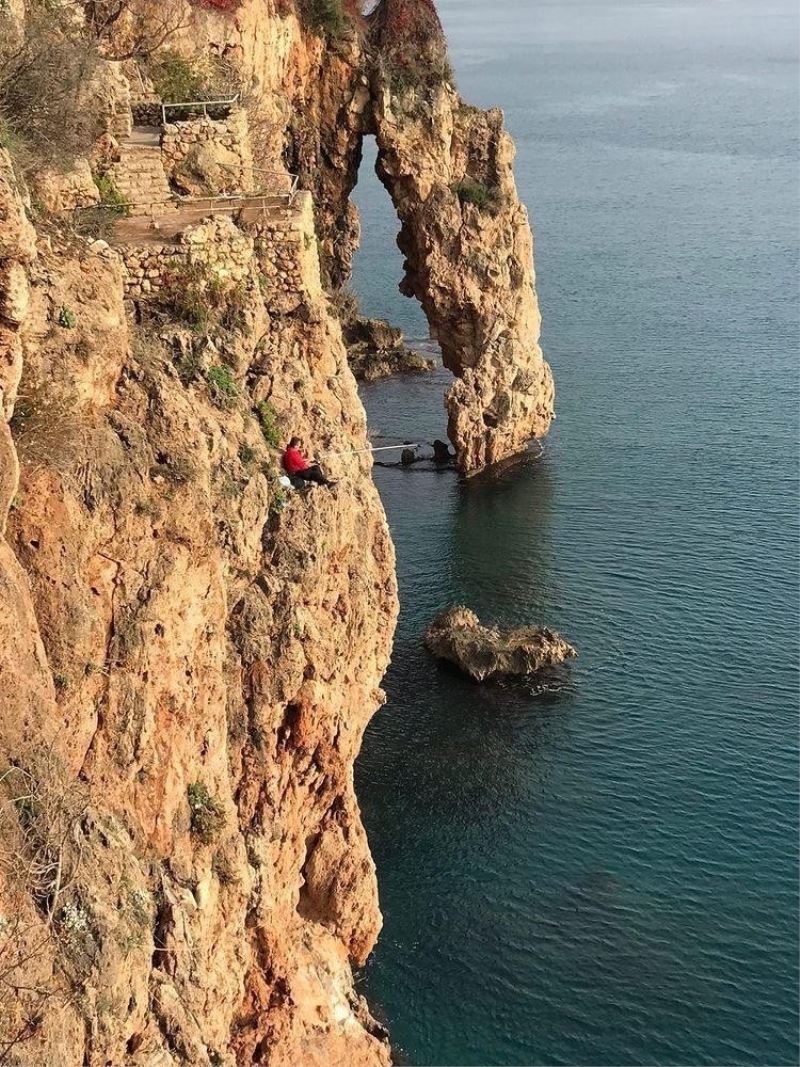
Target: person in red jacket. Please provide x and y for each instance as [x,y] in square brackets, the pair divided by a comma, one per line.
[297,466]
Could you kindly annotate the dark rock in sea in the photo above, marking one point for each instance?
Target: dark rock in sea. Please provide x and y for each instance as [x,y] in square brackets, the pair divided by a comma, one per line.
[485,652]
[441,452]
[372,333]
[375,349]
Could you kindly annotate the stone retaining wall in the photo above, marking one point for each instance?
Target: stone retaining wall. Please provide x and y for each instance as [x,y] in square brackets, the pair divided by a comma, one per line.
[217,245]
[287,253]
[280,249]
[207,157]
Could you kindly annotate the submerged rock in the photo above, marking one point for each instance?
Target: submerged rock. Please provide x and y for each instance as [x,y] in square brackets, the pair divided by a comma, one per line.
[485,652]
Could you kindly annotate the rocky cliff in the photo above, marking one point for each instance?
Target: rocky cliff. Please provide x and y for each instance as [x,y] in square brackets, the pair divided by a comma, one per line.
[189,654]
[448,168]
[188,664]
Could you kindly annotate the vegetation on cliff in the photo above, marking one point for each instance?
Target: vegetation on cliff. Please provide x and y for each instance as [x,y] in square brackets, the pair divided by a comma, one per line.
[47,117]
[410,45]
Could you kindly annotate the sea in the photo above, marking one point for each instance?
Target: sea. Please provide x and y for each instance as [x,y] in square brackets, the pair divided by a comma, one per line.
[605,870]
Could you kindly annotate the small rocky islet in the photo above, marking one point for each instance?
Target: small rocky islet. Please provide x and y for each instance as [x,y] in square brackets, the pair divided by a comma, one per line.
[491,653]
[376,349]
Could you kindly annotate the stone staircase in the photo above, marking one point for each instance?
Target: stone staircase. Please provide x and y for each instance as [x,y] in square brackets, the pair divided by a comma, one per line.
[139,172]
[157,214]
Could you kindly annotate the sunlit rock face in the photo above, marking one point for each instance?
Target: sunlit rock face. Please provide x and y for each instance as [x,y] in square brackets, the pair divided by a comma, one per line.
[188,655]
[465,235]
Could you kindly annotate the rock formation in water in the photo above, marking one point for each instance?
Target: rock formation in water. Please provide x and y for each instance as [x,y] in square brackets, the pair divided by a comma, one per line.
[485,652]
[376,349]
[465,236]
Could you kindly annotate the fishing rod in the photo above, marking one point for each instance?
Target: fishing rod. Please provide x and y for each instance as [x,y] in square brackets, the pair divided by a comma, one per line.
[383,448]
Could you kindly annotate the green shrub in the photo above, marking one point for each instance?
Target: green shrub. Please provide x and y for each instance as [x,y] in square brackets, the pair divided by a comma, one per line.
[470,191]
[110,196]
[278,500]
[67,318]
[223,388]
[175,78]
[207,815]
[268,421]
[326,17]
[401,79]
[179,80]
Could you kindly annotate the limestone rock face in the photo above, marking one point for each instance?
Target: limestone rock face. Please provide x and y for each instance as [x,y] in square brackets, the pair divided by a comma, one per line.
[189,657]
[206,171]
[485,652]
[188,660]
[448,170]
[466,238]
[17,248]
[309,107]
[58,191]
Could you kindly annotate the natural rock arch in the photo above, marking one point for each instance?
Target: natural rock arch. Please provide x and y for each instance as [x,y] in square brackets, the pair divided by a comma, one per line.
[466,237]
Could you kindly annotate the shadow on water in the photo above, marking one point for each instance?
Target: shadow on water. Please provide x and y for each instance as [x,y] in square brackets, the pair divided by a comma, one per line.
[460,754]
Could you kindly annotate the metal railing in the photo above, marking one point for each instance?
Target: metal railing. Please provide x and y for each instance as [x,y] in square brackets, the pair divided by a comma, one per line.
[277,178]
[190,105]
[226,202]
[177,201]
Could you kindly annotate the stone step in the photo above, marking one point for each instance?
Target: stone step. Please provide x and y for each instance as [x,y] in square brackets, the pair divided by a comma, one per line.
[139,173]
[144,136]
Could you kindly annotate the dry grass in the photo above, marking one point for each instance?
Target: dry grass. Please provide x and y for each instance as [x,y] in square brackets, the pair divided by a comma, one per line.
[48,431]
[46,118]
[40,855]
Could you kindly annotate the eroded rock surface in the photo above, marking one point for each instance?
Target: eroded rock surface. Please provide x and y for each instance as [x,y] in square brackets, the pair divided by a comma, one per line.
[188,663]
[376,349]
[486,652]
[188,659]
[465,235]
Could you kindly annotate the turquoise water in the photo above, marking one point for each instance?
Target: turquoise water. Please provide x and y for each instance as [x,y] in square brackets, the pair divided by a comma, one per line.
[608,875]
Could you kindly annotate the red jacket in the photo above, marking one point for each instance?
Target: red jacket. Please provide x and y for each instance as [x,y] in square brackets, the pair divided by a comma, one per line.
[294,461]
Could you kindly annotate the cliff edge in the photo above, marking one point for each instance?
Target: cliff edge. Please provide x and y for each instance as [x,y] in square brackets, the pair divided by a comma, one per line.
[188,655]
